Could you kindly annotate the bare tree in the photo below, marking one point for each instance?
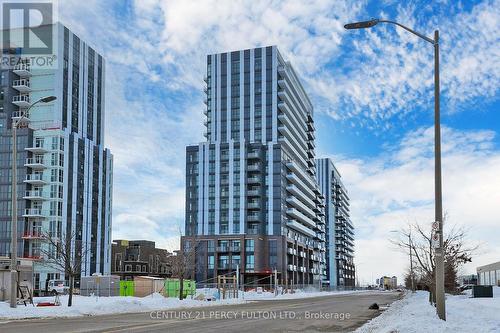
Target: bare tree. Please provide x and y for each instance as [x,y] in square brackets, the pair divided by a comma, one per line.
[456,253]
[58,254]
[182,264]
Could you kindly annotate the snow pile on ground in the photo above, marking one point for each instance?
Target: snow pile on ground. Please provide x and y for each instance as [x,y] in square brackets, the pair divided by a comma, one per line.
[413,314]
[90,306]
[255,296]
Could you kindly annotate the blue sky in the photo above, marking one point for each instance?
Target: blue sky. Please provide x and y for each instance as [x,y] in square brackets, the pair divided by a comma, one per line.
[372,91]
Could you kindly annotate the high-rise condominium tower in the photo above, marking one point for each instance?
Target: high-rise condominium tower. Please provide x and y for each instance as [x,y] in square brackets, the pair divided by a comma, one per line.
[64,171]
[252,200]
[340,269]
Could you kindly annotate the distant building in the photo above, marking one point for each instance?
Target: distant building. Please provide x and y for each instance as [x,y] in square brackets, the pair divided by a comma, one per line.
[131,258]
[489,275]
[340,269]
[464,280]
[387,282]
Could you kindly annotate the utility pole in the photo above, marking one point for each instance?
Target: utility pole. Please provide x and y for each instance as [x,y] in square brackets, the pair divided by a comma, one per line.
[411,263]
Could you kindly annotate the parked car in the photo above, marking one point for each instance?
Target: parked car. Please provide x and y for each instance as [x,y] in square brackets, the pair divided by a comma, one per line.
[55,287]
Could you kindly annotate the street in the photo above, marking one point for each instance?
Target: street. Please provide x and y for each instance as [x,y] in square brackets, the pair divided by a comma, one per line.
[337,313]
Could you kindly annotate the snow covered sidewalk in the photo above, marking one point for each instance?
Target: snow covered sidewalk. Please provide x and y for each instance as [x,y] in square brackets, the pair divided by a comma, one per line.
[91,306]
[413,314]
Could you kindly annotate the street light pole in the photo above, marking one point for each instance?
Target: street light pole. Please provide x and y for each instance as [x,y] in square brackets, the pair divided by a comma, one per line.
[439,251]
[440,298]
[13,242]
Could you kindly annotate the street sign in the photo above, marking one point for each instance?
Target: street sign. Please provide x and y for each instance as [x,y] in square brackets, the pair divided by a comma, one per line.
[435,225]
[435,240]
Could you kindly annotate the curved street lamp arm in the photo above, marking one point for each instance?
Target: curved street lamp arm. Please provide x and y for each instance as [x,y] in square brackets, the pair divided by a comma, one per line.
[427,39]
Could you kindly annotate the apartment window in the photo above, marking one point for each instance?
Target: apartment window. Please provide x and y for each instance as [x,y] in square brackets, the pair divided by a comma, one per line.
[249,245]
[211,261]
[211,246]
[128,268]
[250,262]
[258,64]
[223,262]
[235,67]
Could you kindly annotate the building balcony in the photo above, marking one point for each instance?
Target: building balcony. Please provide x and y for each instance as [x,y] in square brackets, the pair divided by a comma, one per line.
[33,212]
[254,180]
[296,214]
[34,163]
[23,70]
[253,155]
[252,231]
[32,234]
[235,248]
[299,227]
[292,268]
[23,101]
[18,115]
[301,195]
[35,179]
[33,195]
[304,209]
[22,85]
[291,251]
[37,149]
[253,167]
[253,205]
[282,83]
[253,218]
[253,193]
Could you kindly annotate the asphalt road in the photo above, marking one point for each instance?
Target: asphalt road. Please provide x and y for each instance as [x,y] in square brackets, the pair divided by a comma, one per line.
[338,313]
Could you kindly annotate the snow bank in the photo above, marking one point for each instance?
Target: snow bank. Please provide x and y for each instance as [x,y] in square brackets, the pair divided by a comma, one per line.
[90,306]
[413,314]
[253,295]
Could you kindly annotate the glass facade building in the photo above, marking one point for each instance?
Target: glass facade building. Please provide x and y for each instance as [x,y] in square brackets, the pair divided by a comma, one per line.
[340,269]
[252,199]
[64,170]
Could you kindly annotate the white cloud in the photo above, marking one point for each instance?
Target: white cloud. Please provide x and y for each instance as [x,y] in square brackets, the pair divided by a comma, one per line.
[389,71]
[397,187]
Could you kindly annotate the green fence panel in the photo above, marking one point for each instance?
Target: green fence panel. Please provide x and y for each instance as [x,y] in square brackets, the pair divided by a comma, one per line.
[127,288]
[172,288]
